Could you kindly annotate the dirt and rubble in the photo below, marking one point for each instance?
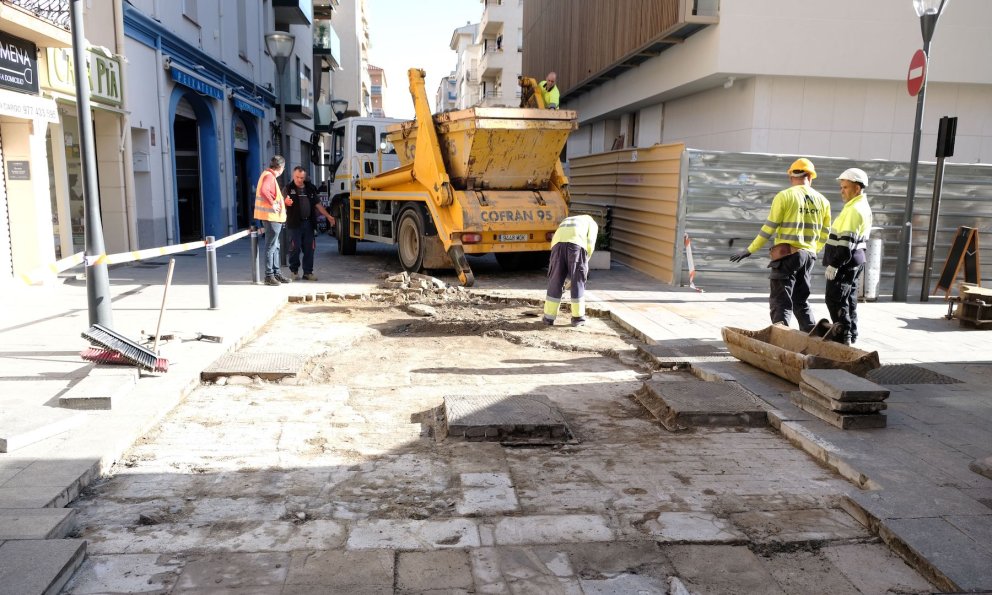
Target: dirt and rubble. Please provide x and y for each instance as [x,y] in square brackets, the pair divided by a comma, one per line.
[331,482]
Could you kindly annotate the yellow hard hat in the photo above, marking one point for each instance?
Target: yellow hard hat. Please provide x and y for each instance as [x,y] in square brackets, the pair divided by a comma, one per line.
[803,165]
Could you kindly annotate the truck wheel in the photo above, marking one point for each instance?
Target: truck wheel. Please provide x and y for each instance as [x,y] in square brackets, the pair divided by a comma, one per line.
[346,244]
[410,240]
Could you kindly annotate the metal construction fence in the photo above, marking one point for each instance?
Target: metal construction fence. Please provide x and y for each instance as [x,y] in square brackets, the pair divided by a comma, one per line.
[720,200]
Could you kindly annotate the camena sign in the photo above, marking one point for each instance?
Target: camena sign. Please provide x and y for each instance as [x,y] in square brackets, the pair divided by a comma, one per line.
[105,75]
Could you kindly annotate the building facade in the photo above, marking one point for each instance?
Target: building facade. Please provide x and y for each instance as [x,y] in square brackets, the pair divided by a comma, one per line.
[203,111]
[446,97]
[468,90]
[500,45]
[377,84]
[353,83]
[718,75]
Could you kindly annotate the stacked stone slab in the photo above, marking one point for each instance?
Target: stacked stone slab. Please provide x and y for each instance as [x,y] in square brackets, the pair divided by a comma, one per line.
[842,399]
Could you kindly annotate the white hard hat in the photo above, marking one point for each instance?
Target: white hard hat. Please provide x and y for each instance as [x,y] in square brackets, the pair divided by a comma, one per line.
[854,175]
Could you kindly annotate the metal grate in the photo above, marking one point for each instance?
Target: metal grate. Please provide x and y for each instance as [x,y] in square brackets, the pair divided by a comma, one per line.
[267,366]
[908,374]
[518,419]
[53,11]
[679,405]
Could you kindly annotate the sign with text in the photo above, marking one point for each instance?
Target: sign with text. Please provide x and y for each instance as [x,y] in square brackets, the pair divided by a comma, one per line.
[18,170]
[105,75]
[28,107]
[18,64]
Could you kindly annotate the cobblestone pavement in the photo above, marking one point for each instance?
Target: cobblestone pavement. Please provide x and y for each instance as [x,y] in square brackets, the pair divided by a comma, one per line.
[334,483]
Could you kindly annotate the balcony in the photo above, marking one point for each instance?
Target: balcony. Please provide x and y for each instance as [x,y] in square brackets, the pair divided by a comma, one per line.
[324,9]
[493,16]
[43,22]
[494,61]
[299,96]
[293,12]
[326,44]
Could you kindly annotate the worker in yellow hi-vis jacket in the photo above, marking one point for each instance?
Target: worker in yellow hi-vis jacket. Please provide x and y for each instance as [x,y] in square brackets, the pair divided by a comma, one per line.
[797,224]
[571,248]
[844,256]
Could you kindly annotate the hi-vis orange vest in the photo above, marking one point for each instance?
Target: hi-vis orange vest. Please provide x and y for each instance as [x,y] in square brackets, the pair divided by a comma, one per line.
[265,210]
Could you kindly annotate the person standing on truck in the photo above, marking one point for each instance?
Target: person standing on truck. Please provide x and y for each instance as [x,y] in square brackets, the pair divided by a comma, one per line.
[797,223]
[270,209]
[302,206]
[549,91]
[844,255]
[571,248]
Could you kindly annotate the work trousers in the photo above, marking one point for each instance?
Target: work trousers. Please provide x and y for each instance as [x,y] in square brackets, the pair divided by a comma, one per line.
[841,296]
[301,240]
[789,289]
[568,261]
[272,230]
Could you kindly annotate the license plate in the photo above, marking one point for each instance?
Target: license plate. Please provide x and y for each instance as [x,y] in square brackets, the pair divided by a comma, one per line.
[513,237]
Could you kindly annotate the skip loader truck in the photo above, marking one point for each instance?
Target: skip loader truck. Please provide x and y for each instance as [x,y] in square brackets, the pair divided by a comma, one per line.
[469,182]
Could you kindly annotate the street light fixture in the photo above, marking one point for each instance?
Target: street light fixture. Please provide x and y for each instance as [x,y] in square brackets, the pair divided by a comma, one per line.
[928,11]
[280,46]
[339,107]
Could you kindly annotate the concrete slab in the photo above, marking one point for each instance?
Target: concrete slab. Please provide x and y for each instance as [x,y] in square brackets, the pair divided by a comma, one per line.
[807,572]
[421,572]
[919,500]
[412,535]
[36,496]
[683,352]
[841,385]
[686,527]
[542,529]
[680,405]
[214,572]
[841,407]
[337,571]
[721,569]
[99,391]
[125,573]
[873,569]
[503,418]
[486,494]
[32,566]
[267,366]
[18,430]
[36,523]
[938,549]
[844,421]
[799,526]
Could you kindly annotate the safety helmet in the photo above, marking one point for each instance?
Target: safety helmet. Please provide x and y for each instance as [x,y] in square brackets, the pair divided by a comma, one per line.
[803,165]
[854,175]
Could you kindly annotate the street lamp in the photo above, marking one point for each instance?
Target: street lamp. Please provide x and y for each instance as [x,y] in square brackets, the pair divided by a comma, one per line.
[339,107]
[928,11]
[280,46]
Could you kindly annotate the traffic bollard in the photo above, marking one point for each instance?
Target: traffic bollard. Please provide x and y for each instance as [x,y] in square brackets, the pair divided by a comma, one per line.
[212,272]
[256,276]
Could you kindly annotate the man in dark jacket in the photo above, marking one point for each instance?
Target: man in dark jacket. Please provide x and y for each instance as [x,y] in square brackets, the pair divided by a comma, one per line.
[301,222]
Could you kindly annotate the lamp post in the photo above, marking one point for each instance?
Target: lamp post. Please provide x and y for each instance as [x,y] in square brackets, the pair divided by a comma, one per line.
[928,11]
[280,45]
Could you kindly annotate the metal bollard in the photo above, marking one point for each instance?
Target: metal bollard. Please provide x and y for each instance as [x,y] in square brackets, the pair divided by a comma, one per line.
[256,275]
[212,272]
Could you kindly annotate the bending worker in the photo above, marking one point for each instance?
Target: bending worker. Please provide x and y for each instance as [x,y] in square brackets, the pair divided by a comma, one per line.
[571,248]
[844,255]
[797,224]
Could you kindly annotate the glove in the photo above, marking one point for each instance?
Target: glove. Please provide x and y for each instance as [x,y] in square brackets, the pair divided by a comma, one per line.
[740,255]
[830,273]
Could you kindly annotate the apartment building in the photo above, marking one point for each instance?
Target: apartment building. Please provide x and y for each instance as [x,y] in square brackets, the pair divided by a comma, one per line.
[500,44]
[762,76]
[377,84]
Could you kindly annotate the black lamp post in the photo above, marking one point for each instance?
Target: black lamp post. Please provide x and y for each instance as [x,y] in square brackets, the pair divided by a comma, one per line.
[928,11]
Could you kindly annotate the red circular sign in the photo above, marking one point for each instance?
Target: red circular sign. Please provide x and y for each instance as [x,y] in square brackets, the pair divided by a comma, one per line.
[917,73]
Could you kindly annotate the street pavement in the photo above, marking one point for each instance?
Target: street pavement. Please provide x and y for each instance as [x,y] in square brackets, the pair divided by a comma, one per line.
[913,482]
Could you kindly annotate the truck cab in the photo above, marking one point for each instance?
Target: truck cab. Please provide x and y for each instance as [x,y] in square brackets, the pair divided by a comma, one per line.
[359,149]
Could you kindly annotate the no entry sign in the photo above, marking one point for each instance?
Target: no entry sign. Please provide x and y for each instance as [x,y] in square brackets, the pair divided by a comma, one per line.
[917,73]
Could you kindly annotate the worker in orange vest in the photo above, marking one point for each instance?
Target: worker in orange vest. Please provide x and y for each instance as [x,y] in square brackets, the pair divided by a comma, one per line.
[270,209]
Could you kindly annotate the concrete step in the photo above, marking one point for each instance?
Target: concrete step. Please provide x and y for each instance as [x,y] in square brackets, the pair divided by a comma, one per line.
[36,523]
[38,566]
[100,389]
[18,431]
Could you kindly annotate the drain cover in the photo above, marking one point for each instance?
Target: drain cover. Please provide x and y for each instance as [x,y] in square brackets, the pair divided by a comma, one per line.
[683,351]
[520,419]
[680,405]
[267,366]
[908,374]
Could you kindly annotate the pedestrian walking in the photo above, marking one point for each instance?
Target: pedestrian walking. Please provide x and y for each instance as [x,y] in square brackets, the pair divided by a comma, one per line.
[303,204]
[844,255]
[571,248]
[797,224]
[270,209]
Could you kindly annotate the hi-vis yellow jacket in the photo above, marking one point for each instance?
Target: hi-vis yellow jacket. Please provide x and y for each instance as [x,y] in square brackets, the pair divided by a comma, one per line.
[266,210]
[849,232]
[800,217]
[580,230]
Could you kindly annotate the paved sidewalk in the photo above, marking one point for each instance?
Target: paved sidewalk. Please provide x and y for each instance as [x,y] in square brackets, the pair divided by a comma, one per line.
[919,493]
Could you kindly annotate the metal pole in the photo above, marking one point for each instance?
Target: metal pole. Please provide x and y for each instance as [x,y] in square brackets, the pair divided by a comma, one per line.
[932,234]
[212,272]
[255,273]
[284,149]
[161,310]
[97,276]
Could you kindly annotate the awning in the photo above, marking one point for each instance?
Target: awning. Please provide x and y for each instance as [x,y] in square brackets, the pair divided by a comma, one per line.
[248,106]
[195,82]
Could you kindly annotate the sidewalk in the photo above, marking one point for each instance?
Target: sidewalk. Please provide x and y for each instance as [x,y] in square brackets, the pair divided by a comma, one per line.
[921,496]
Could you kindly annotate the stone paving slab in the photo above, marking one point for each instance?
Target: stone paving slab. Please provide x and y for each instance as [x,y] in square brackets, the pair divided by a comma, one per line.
[842,420]
[267,366]
[38,566]
[841,385]
[36,523]
[18,430]
[799,526]
[721,569]
[841,407]
[680,405]
[923,501]
[685,527]
[100,389]
[422,572]
[336,571]
[954,560]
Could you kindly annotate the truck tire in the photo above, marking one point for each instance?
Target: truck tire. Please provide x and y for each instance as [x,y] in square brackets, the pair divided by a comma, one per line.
[346,244]
[522,261]
[410,240]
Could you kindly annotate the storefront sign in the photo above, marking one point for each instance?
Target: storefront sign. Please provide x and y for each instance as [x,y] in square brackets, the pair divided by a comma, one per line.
[28,107]
[105,75]
[196,83]
[18,64]
[240,135]
[18,170]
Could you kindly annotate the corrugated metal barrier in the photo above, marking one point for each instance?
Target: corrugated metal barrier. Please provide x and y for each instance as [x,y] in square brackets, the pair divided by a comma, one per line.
[721,199]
